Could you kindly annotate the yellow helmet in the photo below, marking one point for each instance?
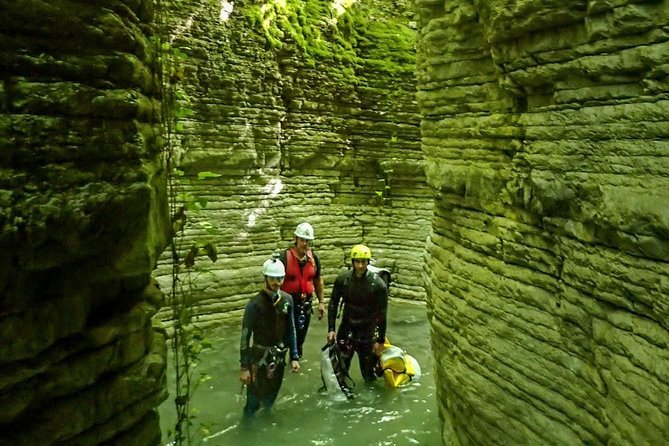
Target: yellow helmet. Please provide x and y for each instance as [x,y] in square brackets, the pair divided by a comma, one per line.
[361,252]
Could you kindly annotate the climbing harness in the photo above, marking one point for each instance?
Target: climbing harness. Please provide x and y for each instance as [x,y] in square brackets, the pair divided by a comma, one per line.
[304,309]
[271,358]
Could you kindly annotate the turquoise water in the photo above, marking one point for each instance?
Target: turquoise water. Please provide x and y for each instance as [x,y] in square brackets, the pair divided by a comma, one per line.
[304,416]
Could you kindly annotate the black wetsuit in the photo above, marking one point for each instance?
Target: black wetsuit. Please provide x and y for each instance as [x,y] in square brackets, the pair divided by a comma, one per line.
[363,322]
[270,321]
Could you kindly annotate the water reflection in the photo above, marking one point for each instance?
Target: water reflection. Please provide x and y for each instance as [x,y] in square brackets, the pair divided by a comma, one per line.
[303,415]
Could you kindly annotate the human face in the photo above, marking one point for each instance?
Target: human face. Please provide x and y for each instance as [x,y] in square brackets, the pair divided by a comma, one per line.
[360,267]
[273,283]
[302,246]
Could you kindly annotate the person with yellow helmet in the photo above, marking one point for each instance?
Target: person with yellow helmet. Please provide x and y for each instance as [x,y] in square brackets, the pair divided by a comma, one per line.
[303,280]
[362,330]
[268,319]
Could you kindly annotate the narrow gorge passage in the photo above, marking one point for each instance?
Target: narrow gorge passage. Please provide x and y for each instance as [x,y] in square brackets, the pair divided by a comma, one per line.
[506,160]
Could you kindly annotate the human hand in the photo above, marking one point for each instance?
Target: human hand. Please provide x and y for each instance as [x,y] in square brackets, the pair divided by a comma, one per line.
[321,310]
[295,364]
[245,376]
[331,336]
[378,348]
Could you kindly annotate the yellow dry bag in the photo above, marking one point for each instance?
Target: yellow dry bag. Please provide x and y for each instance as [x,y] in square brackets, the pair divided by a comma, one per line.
[398,367]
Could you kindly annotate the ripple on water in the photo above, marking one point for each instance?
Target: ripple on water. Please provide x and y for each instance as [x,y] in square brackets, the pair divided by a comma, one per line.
[305,416]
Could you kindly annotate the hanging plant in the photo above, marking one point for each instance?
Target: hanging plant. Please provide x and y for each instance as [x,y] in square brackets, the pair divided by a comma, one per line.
[187,341]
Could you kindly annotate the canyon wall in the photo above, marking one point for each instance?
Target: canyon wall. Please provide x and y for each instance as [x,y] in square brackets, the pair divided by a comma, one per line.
[545,127]
[83,213]
[306,111]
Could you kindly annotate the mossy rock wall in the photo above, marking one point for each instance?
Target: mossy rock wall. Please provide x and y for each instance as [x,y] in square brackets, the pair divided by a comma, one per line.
[308,113]
[83,212]
[546,134]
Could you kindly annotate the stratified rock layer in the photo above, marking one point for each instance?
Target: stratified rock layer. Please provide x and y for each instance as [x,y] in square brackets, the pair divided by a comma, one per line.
[308,113]
[546,134]
[83,214]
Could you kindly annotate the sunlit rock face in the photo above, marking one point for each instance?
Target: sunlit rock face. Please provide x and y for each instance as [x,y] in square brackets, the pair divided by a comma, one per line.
[307,111]
[83,211]
[545,130]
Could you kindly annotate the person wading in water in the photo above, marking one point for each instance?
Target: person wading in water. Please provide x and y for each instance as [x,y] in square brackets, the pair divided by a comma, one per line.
[303,280]
[268,319]
[364,296]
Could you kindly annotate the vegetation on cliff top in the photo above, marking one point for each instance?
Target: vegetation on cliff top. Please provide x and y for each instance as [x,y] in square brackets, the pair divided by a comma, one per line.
[344,32]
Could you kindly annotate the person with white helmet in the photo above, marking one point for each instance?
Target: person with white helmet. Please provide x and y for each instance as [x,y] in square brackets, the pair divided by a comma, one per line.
[303,280]
[268,319]
[364,297]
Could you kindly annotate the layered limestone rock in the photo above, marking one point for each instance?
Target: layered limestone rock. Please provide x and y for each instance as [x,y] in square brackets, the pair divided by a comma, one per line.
[83,213]
[546,134]
[307,111]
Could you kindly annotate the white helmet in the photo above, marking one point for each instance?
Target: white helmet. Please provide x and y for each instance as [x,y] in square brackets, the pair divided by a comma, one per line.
[273,268]
[305,231]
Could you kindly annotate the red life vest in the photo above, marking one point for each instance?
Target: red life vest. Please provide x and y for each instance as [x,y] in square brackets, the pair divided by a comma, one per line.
[299,280]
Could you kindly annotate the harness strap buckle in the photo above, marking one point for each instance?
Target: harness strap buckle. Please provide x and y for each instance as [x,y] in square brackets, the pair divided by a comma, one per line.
[270,369]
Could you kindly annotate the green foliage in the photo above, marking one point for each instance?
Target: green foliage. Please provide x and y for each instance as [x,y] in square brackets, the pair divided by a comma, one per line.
[205,175]
[187,342]
[355,34]
[357,38]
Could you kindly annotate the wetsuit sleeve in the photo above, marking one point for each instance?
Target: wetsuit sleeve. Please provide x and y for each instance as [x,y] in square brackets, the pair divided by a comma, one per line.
[333,306]
[317,262]
[319,287]
[245,343]
[292,336]
[381,297]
